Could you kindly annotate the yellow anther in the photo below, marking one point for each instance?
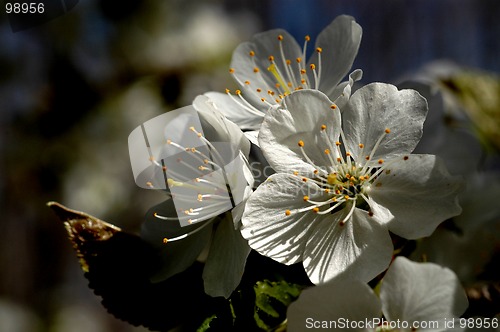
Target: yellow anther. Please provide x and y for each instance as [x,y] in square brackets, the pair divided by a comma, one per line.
[331,178]
[256,70]
[228,91]
[361,146]
[307,38]
[288,212]
[193,149]
[406,158]
[200,197]
[312,66]
[300,143]
[337,192]
[270,92]
[338,143]
[199,135]
[202,168]
[323,127]
[327,191]
[303,81]
[348,176]
[277,85]
[280,37]
[339,159]
[251,53]
[315,171]
[346,197]
[259,90]
[288,62]
[289,84]
[191,128]
[262,99]
[231,70]
[271,58]
[238,92]
[319,49]
[277,100]
[387,130]
[381,161]
[169,141]
[316,209]
[149,184]
[361,178]
[165,240]
[295,173]
[299,60]
[333,106]
[190,221]
[151,158]
[302,71]
[367,157]
[206,161]
[247,82]
[304,179]
[306,198]
[334,199]
[327,151]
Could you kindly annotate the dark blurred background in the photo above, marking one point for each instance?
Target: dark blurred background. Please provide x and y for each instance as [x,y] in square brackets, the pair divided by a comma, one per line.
[72,89]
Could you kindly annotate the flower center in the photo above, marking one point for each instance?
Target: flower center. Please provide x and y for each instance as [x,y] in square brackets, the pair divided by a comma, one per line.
[288,75]
[197,179]
[344,183]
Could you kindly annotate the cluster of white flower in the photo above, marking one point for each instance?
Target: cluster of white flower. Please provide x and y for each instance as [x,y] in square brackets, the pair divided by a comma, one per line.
[345,181]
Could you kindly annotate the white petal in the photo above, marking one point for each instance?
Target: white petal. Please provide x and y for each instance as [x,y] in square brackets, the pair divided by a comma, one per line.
[253,136]
[226,260]
[342,92]
[421,292]
[216,127]
[264,45]
[300,118]
[266,226]
[237,113]
[376,107]
[333,302]
[147,144]
[178,255]
[340,43]
[419,192]
[361,249]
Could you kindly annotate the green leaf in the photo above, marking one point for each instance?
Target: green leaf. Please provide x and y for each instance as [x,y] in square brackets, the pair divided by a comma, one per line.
[119,266]
[271,301]
[206,324]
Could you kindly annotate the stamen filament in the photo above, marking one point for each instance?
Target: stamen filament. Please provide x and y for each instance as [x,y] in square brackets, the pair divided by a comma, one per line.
[247,106]
[277,74]
[183,236]
[375,147]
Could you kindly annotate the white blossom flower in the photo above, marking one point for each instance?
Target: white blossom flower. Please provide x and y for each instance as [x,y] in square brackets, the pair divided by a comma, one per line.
[413,297]
[344,181]
[273,65]
[200,159]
